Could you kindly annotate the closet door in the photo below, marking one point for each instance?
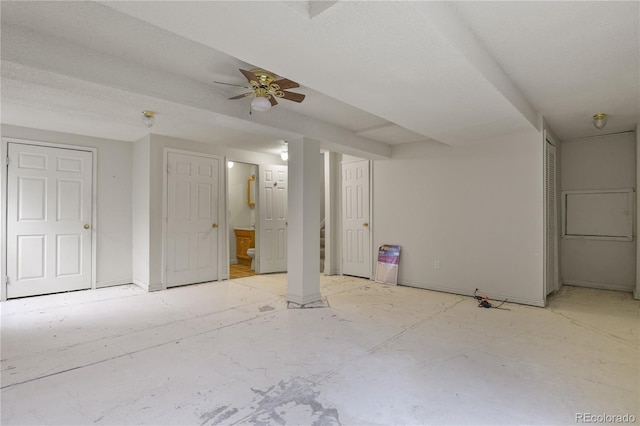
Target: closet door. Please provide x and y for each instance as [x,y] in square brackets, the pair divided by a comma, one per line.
[192,222]
[49,228]
[356,246]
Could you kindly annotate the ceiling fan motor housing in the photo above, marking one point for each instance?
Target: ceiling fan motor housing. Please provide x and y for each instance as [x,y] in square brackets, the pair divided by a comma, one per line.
[264,77]
[265,86]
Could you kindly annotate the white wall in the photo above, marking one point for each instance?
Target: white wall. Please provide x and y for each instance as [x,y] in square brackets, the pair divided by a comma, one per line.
[130,192]
[637,291]
[478,210]
[322,195]
[140,211]
[240,214]
[114,225]
[607,162]
[158,144]
[332,214]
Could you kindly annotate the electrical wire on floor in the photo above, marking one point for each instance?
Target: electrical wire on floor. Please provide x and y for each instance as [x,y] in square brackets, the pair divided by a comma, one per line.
[483,302]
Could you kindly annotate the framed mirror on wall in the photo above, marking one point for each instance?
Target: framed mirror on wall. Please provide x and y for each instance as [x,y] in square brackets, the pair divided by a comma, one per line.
[251,191]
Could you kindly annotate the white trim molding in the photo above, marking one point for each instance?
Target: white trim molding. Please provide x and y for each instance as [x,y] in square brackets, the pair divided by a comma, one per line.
[113,283]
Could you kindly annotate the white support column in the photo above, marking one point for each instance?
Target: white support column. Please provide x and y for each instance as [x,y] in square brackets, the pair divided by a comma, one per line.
[303,263]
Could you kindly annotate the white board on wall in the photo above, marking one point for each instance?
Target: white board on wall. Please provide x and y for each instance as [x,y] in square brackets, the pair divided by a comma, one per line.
[598,214]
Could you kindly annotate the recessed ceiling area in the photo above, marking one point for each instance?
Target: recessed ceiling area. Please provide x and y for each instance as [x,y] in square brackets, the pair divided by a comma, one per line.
[582,58]
[410,72]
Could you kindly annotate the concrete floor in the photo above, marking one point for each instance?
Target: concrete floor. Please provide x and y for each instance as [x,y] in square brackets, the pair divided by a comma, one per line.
[232,353]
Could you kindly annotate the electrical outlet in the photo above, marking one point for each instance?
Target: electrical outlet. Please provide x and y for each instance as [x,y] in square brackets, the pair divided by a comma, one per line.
[436,264]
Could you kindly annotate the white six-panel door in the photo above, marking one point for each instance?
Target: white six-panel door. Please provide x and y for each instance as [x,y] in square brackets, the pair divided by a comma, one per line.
[192,219]
[356,257]
[49,199]
[272,204]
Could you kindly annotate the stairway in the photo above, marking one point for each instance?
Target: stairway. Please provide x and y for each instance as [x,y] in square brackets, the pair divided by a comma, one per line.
[322,248]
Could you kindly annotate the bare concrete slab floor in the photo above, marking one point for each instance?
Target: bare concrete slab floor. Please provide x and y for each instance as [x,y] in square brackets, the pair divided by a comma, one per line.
[231,353]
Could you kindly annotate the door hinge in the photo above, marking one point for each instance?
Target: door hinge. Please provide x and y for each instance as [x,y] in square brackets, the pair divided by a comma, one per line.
[168,168]
[6,279]
[8,161]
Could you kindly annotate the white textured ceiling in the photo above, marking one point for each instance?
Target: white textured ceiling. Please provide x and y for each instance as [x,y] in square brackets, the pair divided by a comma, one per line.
[570,59]
[455,72]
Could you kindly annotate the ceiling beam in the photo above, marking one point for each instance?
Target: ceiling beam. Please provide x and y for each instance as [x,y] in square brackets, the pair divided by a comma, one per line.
[399,62]
[78,62]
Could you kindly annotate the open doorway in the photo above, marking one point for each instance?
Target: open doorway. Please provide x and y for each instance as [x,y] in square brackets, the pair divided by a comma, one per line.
[257,217]
[241,215]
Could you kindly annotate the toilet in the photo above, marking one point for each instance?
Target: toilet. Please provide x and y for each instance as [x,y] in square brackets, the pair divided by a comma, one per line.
[252,254]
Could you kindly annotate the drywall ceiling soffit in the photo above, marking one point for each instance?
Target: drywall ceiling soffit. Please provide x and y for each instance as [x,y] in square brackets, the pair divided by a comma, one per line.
[132,40]
[310,9]
[391,132]
[157,85]
[40,99]
[411,63]
[570,59]
[46,45]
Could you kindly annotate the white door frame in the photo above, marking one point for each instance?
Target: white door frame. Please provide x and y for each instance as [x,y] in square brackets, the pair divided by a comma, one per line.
[4,194]
[227,272]
[547,138]
[222,209]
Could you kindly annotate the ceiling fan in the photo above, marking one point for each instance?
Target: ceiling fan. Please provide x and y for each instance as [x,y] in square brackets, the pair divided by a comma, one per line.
[265,89]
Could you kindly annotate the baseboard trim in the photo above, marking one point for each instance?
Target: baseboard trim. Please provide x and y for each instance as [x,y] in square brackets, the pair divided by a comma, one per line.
[313,298]
[601,286]
[112,283]
[143,285]
[147,287]
[155,287]
[467,292]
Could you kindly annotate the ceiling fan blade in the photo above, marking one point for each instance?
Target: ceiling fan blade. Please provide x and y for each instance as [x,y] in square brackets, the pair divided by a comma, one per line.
[295,97]
[249,75]
[241,96]
[285,84]
[273,101]
[230,84]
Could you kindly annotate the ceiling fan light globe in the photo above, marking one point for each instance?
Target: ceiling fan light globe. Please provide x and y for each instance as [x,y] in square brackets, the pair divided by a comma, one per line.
[260,103]
[148,118]
[600,120]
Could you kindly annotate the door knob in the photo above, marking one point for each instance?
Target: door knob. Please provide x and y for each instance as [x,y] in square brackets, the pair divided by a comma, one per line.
[215,225]
[86,226]
[365,224]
